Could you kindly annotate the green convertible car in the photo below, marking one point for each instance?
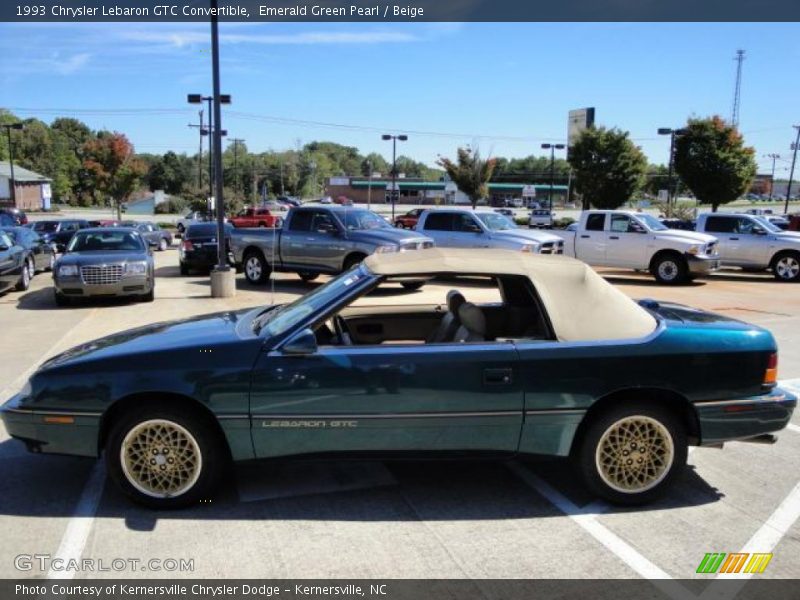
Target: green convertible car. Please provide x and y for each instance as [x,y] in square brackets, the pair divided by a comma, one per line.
[560,364]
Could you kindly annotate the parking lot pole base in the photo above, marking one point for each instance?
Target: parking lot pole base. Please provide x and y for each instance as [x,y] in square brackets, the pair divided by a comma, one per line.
[223,283]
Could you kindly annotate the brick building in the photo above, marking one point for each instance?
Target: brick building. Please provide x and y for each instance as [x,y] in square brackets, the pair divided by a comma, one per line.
[32,189]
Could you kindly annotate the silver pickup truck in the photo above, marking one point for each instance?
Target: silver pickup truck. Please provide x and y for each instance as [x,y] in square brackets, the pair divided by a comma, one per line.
[319,239]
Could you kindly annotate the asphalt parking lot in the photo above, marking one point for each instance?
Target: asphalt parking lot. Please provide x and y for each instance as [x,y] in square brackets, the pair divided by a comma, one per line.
[520,519]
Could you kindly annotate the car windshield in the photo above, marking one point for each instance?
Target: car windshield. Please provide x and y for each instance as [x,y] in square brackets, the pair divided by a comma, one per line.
[45,226]
[106,241]
[652,223]
[496,222]
[768,225]
[10,233]
[280,320]
[362,219]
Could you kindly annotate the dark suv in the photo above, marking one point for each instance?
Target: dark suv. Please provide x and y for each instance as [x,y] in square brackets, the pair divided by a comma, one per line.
[58,233]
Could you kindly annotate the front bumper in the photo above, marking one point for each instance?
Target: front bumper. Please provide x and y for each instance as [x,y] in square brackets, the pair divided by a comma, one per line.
[700,264]
[729,420]
[74,287]
[49,432]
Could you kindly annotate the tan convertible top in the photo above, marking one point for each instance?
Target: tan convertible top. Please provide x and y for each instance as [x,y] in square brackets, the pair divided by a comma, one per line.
[582,306]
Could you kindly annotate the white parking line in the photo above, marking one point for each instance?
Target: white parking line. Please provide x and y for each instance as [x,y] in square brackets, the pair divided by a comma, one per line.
[80,524]
[586,518]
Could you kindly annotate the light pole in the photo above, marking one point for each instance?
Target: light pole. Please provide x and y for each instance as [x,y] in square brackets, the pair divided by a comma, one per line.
[552,148]
[791,171]
[671,133]
[774,157]
[13,182]
[369,185]
[200,154]
[236,142]
[394,139]
[199,99]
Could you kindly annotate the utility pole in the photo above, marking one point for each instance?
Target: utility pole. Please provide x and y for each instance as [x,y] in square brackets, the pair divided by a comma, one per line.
[552,148]
[791,171]
[395,192]
[739,58]
[369,184]
[12,182]
[237,179]
[202,132]
[774,157]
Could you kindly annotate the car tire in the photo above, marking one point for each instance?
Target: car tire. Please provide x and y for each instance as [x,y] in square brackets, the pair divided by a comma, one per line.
[180,228]
[24,279]
[669,268]
[31,267]
[786,266]
[256,269]
[412,286]
[613,463]
[52,264]
[352,260]
[150,296]
[184,269]
[308,275]
[162,244]
[61,299]
[141,445]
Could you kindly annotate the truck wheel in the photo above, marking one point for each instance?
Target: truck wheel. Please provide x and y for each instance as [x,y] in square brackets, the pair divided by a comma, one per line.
[632,453]
[181,228]
[262,224]
[164,457]
[61,299]
[308,275]
[352,260]
[670,268]
[184,269]
[256,269]
[786,266]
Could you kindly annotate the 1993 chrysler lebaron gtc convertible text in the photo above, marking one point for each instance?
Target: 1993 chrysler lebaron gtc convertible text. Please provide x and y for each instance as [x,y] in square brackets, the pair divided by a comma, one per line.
[563,365]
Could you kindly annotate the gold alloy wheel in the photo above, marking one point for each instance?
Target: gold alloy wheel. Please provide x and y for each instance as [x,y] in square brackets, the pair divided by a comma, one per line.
[161,458]
[634,454]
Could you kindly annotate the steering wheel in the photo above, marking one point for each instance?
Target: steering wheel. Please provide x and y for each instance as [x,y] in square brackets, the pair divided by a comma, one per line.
[340,326]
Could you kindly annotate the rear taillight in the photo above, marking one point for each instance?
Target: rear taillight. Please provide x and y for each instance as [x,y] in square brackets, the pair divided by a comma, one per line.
[187,245]
[771,374]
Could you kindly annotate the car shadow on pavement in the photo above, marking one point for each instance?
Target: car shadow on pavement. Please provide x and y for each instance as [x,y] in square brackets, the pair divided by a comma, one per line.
[43,299]
[625,278]
[331,490]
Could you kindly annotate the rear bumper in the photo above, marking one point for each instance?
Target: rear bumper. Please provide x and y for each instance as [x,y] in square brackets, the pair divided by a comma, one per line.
[702,265]
[728,420]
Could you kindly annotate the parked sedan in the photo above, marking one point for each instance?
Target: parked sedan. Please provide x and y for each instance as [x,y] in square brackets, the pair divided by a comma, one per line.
[15,214]
[14,272]
[198,249]
[39,255]
[108,261]
[152,233]
[564,365]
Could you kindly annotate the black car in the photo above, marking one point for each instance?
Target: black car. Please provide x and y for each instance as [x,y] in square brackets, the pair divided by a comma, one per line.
[17,215]
[198,248]
[13,266]
[58,233]
[39,255]
[152,233]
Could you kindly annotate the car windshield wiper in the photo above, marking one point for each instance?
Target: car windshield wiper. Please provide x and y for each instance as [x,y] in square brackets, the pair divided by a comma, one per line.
[266,316]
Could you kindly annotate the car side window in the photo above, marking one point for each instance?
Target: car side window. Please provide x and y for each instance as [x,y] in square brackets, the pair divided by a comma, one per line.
[620,223]
[70,227]
[745,226]
[301,221]
[466,223]
[321,221]
[439,221]
[718,224]
[596,222]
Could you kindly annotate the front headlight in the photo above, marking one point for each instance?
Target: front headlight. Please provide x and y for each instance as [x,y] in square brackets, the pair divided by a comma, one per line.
[68,271]
[385,249]
[532,248]
[693,250]
[135,268]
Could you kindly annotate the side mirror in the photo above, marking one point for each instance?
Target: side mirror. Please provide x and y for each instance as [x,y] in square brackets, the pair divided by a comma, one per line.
[3,247]
[474,229]
[302,344]
[328,228]
[759,231]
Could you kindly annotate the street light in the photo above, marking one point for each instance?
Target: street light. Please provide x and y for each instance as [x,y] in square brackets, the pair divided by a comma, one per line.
[671,133]
[394,139]
[552,148]
[9,126]
[199,99]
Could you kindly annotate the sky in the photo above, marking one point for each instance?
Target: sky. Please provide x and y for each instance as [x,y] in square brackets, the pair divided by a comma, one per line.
[506,87]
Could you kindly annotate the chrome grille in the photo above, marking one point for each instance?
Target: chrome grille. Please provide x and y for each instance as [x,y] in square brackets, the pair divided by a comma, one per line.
[415,246]
[101,275]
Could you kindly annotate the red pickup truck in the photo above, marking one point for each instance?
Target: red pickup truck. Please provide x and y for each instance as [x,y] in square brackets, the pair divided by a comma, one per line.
[256,217]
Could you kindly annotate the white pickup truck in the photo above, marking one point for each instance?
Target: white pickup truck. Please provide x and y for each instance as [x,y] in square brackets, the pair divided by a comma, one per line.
[629,240]
[753,243]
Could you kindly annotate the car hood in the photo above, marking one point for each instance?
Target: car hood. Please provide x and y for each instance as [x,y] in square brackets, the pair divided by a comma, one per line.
[168,337]
[386,236]
[792,237]
[686,237]
[101,258]
[525,236]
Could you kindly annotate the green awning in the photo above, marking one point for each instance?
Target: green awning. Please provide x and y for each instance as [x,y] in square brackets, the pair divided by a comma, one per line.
[403,185]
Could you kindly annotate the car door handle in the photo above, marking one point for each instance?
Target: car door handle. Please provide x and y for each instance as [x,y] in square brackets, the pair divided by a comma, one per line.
[613,237]
[734,239]
[586,236]
[497,377]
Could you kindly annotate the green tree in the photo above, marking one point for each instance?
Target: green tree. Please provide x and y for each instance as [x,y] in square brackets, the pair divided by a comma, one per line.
[470,173]
[374,163]
[170,172]
[608,166]
[713,161]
